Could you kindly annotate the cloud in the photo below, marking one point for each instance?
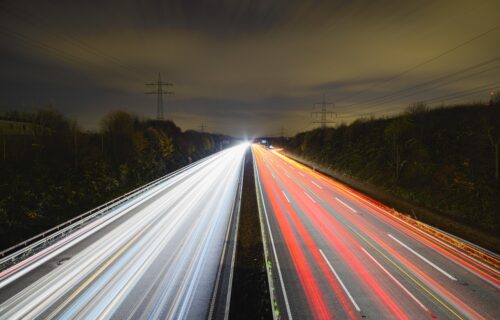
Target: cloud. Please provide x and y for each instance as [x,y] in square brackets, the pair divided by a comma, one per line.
[251,62]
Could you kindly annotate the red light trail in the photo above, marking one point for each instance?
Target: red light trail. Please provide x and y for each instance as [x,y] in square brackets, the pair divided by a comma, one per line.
[354,258]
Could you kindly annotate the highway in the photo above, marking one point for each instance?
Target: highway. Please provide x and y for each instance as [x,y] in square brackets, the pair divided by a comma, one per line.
[155,256]
[337,254]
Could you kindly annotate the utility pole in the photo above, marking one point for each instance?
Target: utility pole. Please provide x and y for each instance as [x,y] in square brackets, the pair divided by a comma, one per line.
[325,116]
[160,91]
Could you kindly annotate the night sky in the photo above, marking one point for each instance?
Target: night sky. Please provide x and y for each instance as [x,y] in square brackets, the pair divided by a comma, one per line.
[246,67]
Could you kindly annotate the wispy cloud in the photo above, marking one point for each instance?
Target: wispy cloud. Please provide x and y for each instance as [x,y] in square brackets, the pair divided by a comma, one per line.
[254,62]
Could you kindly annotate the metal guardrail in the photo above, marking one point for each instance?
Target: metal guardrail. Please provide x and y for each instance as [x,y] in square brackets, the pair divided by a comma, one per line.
[36,243]
[477,252]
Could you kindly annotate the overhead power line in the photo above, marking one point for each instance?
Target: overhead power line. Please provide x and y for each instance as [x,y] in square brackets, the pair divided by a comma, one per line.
[28,41]
[389,98]
[42,24]
[468,92]
[421,64]
[437,82]
[447,97]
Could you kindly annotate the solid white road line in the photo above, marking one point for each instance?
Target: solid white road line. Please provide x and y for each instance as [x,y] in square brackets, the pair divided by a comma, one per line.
[345,204]
[285,196]
[317,185]
[282,283]
[395,280]
[423,258]
[340,281]
[302,174]
[307,194]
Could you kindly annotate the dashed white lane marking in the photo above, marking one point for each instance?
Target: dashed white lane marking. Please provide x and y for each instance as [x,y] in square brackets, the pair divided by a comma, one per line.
[345,204]
[396,281]
[285,196]
[317,185]
[423,258]
[340,281]
[307,194]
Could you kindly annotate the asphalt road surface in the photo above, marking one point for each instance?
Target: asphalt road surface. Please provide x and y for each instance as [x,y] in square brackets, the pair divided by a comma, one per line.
[156,256]
[337,254]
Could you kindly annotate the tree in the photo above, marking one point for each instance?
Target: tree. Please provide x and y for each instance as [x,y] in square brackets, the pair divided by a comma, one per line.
[161,143]
[396,131]
[495,99]
[494,137]
[60,170]
[490,123]
[417,109]
[119,129]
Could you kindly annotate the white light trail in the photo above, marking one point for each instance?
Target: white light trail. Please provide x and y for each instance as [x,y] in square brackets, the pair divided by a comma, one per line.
[161,256]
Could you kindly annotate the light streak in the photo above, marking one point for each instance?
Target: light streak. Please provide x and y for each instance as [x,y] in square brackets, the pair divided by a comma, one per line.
[165,244]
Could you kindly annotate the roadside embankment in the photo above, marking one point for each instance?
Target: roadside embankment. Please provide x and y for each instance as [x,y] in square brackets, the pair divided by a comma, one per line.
[440,165]
[433,218]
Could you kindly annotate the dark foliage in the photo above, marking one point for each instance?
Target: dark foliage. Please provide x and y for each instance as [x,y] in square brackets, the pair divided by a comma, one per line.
[58,171]
[444,159]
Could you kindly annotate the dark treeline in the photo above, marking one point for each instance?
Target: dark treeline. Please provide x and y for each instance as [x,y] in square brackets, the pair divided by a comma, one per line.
[444,159]
[52,170]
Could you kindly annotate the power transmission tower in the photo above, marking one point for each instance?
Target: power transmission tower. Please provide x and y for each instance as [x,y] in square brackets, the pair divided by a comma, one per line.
[325,116]
[282,136]
[160,91]
[202,127]
[282,132]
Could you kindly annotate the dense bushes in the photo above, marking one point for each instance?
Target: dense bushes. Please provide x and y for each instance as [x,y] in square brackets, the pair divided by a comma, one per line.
[444,159]
[58,170]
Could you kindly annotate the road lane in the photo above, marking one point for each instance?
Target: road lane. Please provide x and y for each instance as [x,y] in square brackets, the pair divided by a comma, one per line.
[158,258]
[321,225]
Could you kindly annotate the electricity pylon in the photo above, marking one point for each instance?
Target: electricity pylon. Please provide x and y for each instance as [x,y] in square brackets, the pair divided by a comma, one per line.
[325,116]
[160,91]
